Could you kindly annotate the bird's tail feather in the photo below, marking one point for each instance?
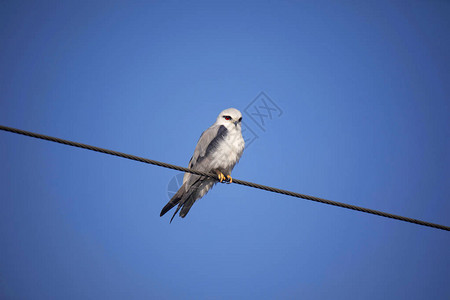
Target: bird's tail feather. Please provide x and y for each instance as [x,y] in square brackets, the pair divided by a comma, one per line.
[190,199]
[174,201]
[174,214]
[187,206]
[184,199]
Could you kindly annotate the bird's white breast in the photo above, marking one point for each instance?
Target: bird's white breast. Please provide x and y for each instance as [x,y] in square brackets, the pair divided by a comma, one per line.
[229,151]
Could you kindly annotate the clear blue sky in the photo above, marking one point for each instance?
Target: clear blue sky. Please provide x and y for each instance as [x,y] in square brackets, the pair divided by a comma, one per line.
[363,91]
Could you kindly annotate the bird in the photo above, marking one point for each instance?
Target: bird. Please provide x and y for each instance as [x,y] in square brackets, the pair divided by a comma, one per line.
[218,150]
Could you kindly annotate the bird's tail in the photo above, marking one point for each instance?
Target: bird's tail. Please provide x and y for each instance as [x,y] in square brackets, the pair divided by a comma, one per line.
[174,201]
[184,199]
[187,206]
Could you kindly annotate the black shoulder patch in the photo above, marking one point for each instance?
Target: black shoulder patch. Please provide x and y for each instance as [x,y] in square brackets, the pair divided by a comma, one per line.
[221,134]
[191,163]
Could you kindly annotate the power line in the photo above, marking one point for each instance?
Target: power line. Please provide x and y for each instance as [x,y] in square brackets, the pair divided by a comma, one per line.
[242,182]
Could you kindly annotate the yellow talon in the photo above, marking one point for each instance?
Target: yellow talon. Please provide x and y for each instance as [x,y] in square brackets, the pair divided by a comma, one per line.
[221,176]
[230,180]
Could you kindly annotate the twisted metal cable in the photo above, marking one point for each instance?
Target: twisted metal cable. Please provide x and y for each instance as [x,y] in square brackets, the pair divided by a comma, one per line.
[237,181]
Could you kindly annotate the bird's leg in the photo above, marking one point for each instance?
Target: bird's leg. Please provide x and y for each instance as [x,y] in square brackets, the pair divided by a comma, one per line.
[220,175]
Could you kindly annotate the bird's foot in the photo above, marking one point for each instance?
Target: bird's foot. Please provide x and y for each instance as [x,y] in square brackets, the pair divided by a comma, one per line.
[221,176]
[229,179]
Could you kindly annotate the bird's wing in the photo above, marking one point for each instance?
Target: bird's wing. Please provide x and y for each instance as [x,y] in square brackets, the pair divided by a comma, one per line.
[202,158]
[208,141]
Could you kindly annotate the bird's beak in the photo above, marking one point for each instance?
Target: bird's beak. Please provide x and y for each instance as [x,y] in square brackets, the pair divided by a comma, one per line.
[235,123]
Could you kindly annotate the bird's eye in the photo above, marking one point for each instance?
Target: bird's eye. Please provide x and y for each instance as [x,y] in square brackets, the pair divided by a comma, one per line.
[228,118]
[240,119]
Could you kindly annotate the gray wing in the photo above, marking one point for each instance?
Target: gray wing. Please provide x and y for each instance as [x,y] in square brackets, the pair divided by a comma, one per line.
[195,186]
[201,158]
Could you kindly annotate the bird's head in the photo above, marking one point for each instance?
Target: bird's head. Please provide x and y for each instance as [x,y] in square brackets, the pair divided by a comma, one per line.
[230,118]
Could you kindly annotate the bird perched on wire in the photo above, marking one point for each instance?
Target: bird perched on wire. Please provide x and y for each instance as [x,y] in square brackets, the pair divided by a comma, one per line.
[218,150]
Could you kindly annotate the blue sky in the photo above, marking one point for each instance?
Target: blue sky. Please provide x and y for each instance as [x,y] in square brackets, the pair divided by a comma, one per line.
[362,90]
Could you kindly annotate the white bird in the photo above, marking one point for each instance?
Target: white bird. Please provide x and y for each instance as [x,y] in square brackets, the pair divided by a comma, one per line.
[218,150]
